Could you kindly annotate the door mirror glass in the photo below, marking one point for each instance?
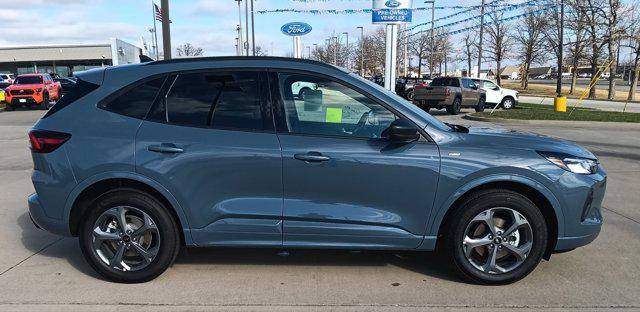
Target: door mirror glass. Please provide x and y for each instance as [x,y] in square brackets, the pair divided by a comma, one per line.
[402,131]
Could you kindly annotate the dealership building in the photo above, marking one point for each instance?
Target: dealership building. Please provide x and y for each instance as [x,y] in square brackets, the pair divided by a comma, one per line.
[65,59]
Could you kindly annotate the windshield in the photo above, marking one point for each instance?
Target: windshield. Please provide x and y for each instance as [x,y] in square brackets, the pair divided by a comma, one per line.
[28,80]
[430,119]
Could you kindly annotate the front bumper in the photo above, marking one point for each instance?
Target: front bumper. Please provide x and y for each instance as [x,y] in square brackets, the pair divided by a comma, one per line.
[582,203]
[42,221]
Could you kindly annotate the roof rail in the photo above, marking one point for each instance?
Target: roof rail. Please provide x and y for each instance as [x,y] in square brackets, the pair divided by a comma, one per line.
[238,58]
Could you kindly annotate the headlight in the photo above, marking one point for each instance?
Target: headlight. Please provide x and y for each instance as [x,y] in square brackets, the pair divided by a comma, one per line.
[38,90]
[572,163]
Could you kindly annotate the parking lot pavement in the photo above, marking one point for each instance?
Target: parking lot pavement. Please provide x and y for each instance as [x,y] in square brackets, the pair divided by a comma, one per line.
[39,271]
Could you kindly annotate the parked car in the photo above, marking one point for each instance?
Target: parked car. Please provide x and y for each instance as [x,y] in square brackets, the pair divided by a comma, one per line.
[139,160]
[301,89]
[405,86]
[66,84]
[495,94]
[451,93]
[32,90]
[8,78]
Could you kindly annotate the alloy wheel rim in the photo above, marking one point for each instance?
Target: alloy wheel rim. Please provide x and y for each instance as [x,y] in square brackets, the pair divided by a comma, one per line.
[507,104]
[125,238]
[497,240]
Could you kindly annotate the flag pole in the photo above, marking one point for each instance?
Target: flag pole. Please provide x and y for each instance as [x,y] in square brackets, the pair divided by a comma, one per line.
[155,30]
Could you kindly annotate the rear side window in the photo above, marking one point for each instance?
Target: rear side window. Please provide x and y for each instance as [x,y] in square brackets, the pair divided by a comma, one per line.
[445,82]
[217,100]
[81,89]
[136,100]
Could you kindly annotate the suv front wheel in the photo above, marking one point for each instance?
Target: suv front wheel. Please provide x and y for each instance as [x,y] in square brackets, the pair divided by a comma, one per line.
[128,236]
[496,237]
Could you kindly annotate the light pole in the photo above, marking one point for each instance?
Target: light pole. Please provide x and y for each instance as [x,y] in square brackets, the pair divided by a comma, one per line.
[346,33]
[361,50]
[335,51]
[315,47]
[309,52]
[240,41]
[253,31]
[246,18]
[480,42]
[433,12]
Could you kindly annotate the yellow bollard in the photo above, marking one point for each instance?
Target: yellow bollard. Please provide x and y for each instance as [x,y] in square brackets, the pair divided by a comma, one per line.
[560,104]
[2,98]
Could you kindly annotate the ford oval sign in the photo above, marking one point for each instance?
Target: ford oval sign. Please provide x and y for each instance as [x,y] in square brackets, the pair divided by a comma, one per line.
[392,3]
[296,29]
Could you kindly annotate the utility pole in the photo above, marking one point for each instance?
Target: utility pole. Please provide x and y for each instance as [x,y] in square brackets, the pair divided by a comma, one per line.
[166,30]
[240,41]
[246,18]
[480,42]
[346,33]
[155,31]
[315,47]
[253,31]
[335,51]
[433,13]
[406,52]
[361,51]
[560,50]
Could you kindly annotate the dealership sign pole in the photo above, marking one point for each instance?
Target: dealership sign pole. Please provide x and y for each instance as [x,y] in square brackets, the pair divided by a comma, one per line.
[391,13]
[296,30]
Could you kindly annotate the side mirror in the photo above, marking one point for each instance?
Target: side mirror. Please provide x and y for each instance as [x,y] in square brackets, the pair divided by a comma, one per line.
[402,131]
[496,88]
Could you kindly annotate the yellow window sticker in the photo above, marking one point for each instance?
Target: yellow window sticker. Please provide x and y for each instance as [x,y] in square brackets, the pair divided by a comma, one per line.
[334,115]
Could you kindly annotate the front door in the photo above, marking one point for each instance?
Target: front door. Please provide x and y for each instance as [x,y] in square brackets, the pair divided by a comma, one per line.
[345,184]
[209,139]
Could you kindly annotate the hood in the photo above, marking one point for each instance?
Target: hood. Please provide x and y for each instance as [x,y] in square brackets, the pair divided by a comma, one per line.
[24,86]
[501,138]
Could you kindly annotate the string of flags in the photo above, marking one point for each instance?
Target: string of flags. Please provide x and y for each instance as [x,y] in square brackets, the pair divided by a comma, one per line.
[508,8]
[363,11]
[544,10]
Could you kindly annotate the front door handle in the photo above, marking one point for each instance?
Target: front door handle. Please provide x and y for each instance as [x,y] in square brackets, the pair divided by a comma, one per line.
[166,148]
[311,157]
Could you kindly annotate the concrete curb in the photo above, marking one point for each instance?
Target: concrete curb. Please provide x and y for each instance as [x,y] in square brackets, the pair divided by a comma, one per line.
[564,123]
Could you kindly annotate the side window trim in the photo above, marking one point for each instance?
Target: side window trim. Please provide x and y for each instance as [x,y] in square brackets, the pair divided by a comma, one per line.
[278,104]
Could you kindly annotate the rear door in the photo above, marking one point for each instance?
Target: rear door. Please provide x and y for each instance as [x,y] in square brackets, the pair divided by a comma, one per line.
[209,139]
[469,92]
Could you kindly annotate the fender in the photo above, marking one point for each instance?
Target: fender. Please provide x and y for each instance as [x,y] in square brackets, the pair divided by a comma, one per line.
[132,176]
[440,212]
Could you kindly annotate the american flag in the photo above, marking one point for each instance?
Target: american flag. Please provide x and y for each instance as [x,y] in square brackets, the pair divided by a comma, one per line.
[158,13]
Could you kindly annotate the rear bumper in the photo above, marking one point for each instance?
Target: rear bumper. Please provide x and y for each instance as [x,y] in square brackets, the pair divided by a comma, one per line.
[42,221]
[433,102]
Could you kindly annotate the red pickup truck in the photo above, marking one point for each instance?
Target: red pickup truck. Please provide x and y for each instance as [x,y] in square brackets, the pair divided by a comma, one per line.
[32,90]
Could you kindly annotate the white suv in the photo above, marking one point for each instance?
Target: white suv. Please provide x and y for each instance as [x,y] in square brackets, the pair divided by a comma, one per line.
[6,78]
[507,98]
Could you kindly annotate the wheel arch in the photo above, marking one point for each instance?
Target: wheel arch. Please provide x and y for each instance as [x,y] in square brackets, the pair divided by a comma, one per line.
[83,194]
[537,193]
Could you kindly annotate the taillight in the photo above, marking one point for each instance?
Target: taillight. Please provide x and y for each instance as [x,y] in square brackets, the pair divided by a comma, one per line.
[447,92]
[423,85]
[43,141]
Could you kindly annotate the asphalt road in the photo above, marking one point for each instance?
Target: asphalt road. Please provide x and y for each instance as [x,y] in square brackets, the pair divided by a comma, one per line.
[39,271]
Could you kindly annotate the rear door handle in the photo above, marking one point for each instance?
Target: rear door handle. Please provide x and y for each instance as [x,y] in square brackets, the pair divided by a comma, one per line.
[312,157]
[166,148]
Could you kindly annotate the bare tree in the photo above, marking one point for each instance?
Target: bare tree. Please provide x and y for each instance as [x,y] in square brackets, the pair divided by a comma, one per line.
[611,13]
[498,41]
[188,49]
[596,35]
[633,35]
[260,51]
[529,35]
[576,25]
[419,46]
[470,49]
[552,35]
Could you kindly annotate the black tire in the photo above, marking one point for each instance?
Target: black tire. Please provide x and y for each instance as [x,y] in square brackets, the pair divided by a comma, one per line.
[426,108]
[480,106]
[168,248]
[454,109]
[302,93]
[455,226]
[8,107]
[508,103]
[409,95]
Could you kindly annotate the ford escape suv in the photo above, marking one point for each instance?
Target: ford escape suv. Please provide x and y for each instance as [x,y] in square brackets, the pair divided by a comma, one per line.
[139,160]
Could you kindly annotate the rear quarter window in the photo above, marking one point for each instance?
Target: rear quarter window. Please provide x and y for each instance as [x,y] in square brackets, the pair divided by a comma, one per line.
[81,89]
[134,100]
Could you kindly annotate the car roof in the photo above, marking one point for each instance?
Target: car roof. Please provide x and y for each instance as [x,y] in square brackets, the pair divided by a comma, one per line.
[32,75]
[240,58]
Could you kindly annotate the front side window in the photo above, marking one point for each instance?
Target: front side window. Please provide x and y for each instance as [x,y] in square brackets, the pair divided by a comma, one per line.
[230,100]
[468,83]
[331,109]
[490,85]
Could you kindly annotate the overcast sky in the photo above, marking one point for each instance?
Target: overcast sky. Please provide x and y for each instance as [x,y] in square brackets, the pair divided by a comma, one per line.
[209,24]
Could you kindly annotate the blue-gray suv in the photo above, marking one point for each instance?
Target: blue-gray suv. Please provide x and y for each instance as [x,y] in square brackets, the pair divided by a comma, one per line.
[140,160]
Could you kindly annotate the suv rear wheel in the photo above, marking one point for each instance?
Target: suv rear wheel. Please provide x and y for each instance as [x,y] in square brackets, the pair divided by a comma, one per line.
[128,236]
[496,237]
[480,106]
[454,109]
